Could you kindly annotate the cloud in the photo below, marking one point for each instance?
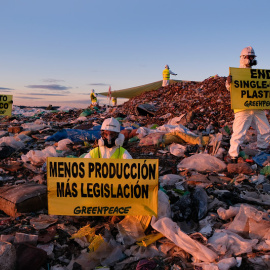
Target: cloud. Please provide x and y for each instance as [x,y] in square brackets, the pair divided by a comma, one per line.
[45,94]
[49,80]
[49,87]
[4,89]
[29,98]
[99,84]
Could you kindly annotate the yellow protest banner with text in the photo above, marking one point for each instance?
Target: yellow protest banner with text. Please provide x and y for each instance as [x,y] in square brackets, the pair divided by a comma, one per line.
[102,187]
[6,104]
[250,88]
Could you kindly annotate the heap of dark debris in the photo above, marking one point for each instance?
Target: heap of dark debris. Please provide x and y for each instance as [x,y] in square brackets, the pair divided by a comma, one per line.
[222,213]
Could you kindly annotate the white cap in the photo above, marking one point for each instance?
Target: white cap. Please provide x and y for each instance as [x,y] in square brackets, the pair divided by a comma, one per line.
[111,124]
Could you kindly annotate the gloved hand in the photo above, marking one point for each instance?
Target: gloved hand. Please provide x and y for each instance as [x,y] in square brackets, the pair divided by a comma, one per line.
[229,79]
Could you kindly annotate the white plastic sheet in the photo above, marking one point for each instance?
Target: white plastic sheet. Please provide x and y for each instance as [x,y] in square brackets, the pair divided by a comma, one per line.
[170,179]
[10,141]
[177,150]
[172,231]
[202,163]
[62,145]
[251,222]
[229,243]
[39,157]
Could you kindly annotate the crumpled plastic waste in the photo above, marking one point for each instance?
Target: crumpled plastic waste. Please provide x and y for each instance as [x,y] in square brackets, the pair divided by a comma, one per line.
[76,135]
[37,125]
[191,206]
[130,229]
[38,157]
[261,158]
[10,141]
[62,145]
[152,139]
[224,264]
[228,213]
[251,222]
[172,231]
[228,243]
[202,163]
[170,179]
[177,149]
[265,171]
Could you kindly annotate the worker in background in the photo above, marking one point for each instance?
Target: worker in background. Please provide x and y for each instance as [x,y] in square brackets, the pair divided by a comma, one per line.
[114,101]
[244,118]
[93,97]
[166,75]
[110,143]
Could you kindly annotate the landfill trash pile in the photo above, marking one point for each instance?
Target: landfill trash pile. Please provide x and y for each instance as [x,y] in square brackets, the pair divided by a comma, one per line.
[208,100]
[212,214]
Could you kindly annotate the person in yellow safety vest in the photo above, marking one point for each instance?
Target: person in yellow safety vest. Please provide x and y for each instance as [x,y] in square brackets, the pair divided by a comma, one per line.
[110,143]
[244,118]
[166,76]
[93,97]
[114,101]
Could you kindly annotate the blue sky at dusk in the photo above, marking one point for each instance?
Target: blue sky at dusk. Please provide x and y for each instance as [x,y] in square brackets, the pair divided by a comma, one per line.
[55,52]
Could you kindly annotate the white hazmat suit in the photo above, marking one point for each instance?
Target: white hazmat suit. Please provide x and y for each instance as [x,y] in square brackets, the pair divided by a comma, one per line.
[245,118]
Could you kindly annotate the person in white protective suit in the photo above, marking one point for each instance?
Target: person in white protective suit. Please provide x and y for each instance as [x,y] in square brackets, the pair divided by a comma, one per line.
[166,76]
[110,143]
[244,118]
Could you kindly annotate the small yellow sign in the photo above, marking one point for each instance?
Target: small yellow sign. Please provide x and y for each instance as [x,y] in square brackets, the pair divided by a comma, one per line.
[250,88]
[6,104]
[102,187]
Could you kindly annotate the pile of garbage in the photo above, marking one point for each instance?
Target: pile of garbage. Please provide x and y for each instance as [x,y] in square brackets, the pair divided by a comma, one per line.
[208,100]
[212,214]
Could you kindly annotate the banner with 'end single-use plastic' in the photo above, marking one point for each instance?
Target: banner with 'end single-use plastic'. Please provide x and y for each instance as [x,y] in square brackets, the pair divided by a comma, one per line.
[250,88]
[102,187]
[6,104]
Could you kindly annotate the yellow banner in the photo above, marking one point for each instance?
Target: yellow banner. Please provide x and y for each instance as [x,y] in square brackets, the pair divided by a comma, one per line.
[102,187]
[5,104]
[250,88]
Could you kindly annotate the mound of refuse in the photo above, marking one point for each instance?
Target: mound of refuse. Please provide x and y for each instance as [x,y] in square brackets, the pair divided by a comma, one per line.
[209,100]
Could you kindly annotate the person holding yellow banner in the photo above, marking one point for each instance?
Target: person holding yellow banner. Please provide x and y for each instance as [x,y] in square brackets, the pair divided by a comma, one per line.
[244,118]
[110,143]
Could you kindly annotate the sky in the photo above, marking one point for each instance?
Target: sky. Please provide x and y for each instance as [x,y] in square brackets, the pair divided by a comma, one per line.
[56,51]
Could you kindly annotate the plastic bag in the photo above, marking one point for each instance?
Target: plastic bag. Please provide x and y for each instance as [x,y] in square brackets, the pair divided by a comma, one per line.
[229,243]
[171,230]
[169,179]
[229,213]
[76,135]
[86,112]
[37,157]
[130,229]
[191,206]
[62,145]
[10,141]
[202,163]
[251,222]
[152,139]
[177,149]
